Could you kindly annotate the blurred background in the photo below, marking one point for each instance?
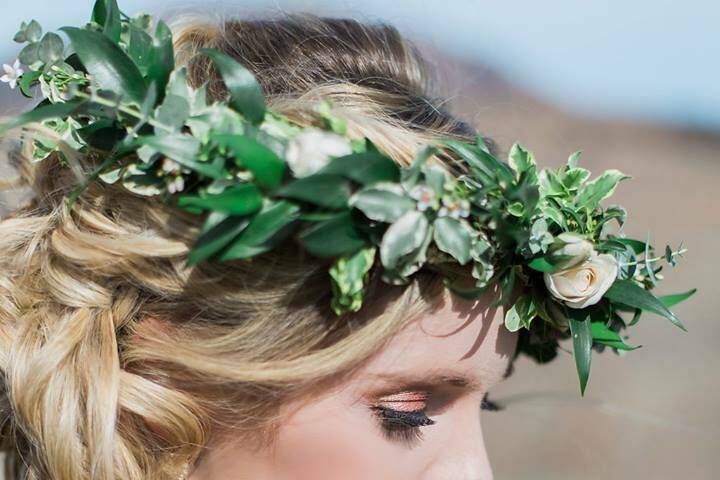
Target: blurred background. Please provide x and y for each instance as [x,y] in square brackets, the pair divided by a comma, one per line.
[634,84]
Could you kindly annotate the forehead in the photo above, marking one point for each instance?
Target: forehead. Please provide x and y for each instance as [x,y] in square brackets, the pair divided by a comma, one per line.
[462,338]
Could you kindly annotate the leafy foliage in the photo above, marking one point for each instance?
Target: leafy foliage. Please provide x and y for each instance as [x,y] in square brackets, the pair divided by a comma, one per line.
[542,236]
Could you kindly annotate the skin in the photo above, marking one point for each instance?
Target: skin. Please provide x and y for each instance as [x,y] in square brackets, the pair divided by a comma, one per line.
[443,363]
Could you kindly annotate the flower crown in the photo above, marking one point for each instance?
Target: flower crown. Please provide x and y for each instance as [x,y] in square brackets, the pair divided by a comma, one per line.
[261,180]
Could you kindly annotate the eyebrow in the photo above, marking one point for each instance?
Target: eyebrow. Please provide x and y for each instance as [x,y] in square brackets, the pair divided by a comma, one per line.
[431,379]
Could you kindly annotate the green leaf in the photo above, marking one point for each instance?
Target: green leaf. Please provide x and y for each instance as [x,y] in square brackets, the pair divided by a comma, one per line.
[637,246]
[484,164]
[674,299]
[383,202]
[241,199]
[219,230]
[183,149]
[265,231]
[333,238]
[173,112]
[267,168]
[523,162]
[364,168]
[573,178]
[162,60]
[573,159]
[46,112]
[51,48]
[541,264]
[27,80]
[599,189]
[246,96]
[331,191]
[603,335]
[581,332]
[452,236]
[109,66]
[140,48]
[409,176]
[349,275]
[30,53]
[629,293]
[33,31]
[107,14]
[521,314]
[403,237]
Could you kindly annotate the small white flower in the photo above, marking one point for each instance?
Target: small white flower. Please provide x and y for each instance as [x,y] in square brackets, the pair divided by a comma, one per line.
[176,184]
[168,166]
[424,195]
[455,208]
[312,149]
[12,74]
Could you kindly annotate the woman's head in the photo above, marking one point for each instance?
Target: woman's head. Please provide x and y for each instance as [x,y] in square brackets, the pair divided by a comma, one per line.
[119,359]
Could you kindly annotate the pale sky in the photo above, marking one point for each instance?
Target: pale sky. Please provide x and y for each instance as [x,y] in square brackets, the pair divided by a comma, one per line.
[651,59]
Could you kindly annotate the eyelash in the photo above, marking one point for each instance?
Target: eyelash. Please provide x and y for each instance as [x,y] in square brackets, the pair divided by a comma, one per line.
[400,426]
[403,426]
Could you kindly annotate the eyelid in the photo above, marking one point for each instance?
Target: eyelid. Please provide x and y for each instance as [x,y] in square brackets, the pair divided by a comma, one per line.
[409,401]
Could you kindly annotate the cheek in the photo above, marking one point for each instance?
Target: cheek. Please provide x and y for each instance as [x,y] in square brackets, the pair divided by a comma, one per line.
[329,441]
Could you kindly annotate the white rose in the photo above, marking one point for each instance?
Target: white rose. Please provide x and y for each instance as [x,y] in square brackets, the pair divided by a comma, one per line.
[584,284]
[571,249]
[312,149]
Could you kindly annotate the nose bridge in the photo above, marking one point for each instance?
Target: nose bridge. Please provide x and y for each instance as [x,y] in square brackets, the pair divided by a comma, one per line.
[462,454]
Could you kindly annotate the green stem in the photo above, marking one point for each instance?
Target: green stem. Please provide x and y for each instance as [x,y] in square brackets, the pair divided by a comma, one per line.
[653,260]
[124,109]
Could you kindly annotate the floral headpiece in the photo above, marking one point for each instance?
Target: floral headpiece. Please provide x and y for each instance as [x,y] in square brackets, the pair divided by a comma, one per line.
[261,180]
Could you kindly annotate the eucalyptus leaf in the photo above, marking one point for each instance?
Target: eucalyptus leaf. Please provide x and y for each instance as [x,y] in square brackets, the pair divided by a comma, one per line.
[30,54]
[50,48]
[33,31]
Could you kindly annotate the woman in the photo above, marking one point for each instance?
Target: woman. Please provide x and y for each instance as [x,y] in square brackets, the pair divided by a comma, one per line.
[123,356]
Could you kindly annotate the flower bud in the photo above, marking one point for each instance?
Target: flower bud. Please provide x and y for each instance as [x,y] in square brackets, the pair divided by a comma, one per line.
[570,249]
[312,149]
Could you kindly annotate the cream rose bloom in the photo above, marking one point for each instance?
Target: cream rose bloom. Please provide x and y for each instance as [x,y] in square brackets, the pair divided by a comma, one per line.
[310,150]
[583,284]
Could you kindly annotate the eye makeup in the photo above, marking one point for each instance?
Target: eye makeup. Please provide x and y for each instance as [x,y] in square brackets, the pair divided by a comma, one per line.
[402,414]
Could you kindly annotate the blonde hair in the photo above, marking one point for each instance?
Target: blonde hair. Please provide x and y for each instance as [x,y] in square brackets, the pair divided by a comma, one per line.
[118,360]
